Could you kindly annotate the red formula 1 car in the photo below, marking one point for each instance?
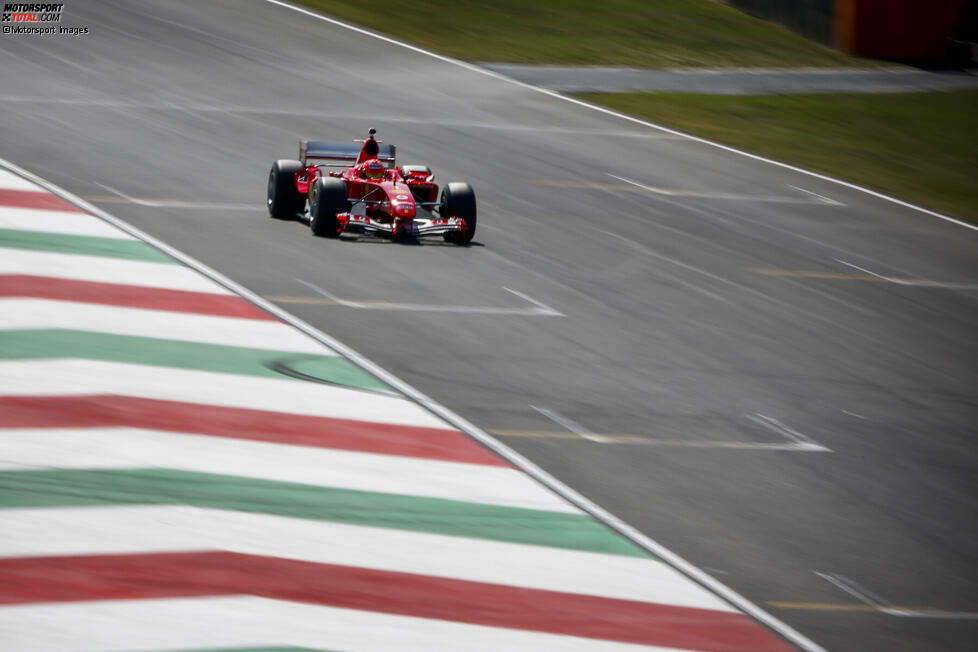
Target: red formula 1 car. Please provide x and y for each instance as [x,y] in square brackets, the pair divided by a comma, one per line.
[368,193]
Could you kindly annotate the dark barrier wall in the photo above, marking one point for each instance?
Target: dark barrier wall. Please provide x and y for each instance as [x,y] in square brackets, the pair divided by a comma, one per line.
[812,18]
[912,30]
[925,31]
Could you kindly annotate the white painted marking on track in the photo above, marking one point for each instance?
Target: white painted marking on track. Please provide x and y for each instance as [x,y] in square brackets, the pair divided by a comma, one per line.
[803,442]
[249,621]
[871,273]
[173,203]
[570,424]
[544,309]
[670,192]
[797,442]
[733,445]
[673,277]
[873,600]
[853,414]
[121,448]
[441,412]
[18,313]
[538,309]
[910,282]
[822,198]
[142,529]
[850,587]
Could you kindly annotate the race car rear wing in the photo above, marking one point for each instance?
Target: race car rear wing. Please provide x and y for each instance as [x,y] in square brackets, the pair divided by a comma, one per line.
[316,149]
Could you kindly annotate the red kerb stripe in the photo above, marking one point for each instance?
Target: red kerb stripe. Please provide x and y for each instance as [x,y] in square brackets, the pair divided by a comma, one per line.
[131,296]
[171,575]
[35,199]
[106,411]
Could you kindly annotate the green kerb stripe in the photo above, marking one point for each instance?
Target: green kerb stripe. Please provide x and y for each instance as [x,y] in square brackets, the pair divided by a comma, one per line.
[82,244]
[63,343]
[66,488]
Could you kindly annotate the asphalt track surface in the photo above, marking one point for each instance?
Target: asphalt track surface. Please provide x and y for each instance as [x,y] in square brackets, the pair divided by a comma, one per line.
[718,323]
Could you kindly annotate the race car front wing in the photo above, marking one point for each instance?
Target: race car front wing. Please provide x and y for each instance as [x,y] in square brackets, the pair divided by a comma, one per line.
[416,228]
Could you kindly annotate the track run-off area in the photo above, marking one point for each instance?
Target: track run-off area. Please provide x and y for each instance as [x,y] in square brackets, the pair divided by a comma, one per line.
[671,396]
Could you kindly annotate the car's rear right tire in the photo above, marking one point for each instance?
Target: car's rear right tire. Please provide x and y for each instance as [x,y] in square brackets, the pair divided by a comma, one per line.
[284,201]
[328,198]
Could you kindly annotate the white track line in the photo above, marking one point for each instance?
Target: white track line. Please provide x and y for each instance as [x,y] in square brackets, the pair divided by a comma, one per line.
[803,442]
[823,198]
[911,282]
[695,194]
[178,528]
[571,425]
[120,448]
[173,203]
[538,309]
[440,411]
[17,313]
[869,598]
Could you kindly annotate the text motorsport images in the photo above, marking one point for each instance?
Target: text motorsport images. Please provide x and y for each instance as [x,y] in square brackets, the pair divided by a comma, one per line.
[34,12]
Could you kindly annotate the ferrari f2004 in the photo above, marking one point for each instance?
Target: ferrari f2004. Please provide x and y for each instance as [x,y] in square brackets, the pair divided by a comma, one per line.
[359,188]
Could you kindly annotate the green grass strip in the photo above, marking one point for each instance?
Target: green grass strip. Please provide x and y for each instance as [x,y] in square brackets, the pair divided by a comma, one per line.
[67,488]
[82,244]
[922,147]
[58,343]
[638,33]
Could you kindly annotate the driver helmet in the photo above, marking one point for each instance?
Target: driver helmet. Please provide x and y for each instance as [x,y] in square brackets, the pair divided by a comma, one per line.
[373,169]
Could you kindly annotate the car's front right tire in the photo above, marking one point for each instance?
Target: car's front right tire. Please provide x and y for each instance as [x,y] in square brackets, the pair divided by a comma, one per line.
[328,197]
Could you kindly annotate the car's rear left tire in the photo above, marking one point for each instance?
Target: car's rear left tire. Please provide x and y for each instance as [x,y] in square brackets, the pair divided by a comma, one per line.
[458,200]
[284,201]
[328,198]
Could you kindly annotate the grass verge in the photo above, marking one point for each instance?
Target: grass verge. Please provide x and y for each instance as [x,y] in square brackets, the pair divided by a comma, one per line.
[639,33]
[922,147]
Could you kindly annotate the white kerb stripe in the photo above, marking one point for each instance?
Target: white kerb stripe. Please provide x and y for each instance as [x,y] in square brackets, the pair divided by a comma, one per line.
[102,269]
[78,377]
[18,313]
[179,528]
[11,181]
[65,222]
[229,622]
[121,448]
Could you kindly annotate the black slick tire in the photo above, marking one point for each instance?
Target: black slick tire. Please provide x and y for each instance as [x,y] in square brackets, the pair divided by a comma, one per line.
[284,201]
[458,200]
[328,198]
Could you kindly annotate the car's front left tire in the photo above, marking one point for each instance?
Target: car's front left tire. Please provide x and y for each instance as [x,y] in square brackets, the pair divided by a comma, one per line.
[458,200]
